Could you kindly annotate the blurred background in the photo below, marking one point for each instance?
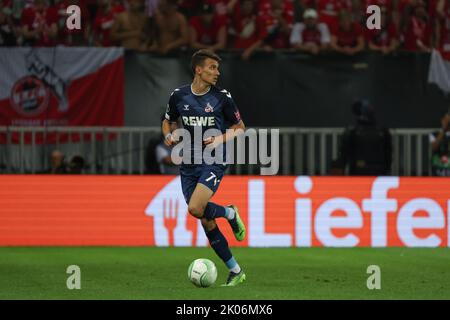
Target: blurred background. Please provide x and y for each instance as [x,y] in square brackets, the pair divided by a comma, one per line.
[348,100]
[83,163]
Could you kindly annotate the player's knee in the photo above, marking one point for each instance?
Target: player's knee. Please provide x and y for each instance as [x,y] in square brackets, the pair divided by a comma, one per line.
[196,210]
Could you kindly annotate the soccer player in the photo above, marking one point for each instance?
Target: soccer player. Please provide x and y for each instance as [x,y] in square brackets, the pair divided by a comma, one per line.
[203,105]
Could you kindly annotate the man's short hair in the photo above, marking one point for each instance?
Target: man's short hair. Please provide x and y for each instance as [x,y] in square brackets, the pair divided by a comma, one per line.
[199,57]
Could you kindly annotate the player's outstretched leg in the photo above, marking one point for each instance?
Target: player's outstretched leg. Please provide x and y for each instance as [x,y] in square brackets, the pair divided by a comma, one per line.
[200,207]
[231,213]
[220,245]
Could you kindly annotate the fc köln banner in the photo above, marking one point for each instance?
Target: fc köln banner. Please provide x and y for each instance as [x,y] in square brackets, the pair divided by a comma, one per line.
[61,86]
[277,211]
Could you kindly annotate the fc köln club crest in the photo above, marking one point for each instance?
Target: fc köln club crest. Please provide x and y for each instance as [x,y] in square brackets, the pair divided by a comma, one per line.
[209,108]
[30,95]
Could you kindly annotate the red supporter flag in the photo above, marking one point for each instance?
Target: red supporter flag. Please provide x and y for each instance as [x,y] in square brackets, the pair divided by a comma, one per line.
[61,86]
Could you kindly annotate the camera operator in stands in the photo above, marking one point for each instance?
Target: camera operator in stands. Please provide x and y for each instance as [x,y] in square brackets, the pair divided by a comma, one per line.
[76,165]
[440,147]
[366,148]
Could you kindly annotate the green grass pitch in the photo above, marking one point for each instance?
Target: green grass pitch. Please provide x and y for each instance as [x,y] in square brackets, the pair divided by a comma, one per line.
[272,273]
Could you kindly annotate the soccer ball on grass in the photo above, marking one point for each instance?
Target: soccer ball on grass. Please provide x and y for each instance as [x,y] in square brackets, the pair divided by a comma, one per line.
[202,272]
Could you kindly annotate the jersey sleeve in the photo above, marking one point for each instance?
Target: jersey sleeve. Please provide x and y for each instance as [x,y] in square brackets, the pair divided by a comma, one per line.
[172,111]
[230,110]
[296,34]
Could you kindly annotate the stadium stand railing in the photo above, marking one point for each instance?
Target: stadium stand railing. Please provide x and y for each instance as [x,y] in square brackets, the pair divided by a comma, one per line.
[128,150]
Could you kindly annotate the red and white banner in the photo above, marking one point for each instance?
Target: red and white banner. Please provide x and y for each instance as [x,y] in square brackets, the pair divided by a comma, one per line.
[61,86]
[278,211]
[439,70]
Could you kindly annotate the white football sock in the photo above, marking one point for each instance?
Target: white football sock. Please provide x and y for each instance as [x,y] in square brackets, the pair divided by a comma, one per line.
[236,269]
[231,213]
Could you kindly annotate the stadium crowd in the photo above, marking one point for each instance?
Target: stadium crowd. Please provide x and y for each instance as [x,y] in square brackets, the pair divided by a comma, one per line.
[164,25]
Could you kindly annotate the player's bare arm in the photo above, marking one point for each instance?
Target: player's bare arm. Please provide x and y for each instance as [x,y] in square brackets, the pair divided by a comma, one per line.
[167,128]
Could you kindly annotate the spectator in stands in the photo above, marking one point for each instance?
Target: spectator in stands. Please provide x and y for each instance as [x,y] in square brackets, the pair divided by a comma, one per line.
[329,11]
[440,146]
[358,11]
[443,27]
[164,160]
[310,36]
[223,8]
[151,6]
[124,4]
[277,19]
[131,28]
[247,29]
[92,7]
[16,8]
[75,37]
[189,8]
[207,31]
[57,163]
[347,37]
[417,29]
[7,29]
[299,7]
[172,30]
[366,148]
[40,24]
[76,165]
[384,40]
[104,20]
[386,4]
